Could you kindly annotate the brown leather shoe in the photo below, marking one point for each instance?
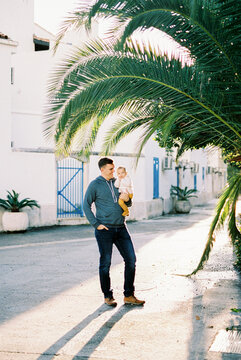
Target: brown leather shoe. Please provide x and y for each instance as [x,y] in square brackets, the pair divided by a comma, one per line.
[132,300]
[110,302]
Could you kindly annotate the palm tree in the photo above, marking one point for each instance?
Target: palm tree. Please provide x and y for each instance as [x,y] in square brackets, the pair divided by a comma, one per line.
[188,106]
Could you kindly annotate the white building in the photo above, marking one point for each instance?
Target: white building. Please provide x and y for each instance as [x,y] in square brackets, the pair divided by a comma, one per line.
[28,164]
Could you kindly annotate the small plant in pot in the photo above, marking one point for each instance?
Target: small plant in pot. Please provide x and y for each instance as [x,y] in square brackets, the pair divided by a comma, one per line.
[13,219]
[182,204]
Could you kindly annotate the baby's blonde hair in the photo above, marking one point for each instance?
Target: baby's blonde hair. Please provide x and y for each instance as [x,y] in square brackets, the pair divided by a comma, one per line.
[121,167]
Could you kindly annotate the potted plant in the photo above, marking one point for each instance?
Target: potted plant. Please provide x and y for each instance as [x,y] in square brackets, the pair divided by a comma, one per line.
[13,219]
[182,204]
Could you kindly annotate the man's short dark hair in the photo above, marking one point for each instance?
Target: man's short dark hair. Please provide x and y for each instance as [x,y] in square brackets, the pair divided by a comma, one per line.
[104,161]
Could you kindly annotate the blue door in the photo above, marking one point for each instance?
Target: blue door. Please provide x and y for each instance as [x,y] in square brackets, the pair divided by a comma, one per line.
[195,182]
[155,178]
[69,188]
[178,175]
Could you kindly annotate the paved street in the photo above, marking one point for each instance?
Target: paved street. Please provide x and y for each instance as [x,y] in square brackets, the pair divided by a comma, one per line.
[52,307]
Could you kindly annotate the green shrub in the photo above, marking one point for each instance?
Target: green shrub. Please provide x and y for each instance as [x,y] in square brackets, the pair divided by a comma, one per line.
[13,204]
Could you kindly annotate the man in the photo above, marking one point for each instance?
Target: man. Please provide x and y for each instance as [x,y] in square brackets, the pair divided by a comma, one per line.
[110,229]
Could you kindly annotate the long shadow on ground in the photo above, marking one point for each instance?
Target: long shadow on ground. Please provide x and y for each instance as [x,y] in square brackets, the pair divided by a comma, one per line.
[40,264]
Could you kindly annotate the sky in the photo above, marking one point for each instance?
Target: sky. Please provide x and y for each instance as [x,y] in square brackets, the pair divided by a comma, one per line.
[50,13]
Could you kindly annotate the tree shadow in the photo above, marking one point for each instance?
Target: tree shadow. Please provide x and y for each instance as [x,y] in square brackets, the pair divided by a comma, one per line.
[209,315]
[235,318]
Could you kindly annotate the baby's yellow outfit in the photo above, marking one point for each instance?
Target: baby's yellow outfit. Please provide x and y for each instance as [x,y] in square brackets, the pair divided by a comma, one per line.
[125,187]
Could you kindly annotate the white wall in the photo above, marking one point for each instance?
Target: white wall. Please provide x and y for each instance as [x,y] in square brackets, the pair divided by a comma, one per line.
[16,19]
[32,71]
[6,49]
[24,167]
[33,174]
[42,33]
[29,96]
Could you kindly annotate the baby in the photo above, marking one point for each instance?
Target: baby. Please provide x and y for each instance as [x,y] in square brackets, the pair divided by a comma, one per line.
[124,183]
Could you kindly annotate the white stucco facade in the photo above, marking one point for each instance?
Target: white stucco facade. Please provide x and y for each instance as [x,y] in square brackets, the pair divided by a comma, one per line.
[29,173]
[28,164]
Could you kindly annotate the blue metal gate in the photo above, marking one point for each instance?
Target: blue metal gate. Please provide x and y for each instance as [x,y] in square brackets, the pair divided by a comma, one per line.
[69,188]
[155,178]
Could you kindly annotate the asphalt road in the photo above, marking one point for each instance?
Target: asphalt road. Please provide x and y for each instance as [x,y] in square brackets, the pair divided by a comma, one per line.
[52,307]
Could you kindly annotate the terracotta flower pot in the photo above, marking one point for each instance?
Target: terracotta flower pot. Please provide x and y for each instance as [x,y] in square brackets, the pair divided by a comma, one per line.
[14,221]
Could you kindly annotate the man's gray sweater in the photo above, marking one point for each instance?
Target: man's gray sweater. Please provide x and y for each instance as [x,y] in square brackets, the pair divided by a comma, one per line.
[105,196]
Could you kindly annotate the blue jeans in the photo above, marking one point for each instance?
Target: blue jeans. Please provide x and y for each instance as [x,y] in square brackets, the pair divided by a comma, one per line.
[122,240]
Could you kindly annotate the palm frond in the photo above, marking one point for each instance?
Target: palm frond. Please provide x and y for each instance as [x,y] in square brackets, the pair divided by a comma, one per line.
[103,75]
[75,20]
[224,208]
[202,27]
[189,106]
[133,116]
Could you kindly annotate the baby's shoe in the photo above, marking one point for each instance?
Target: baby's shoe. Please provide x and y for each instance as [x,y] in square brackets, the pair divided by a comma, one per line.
[125,213]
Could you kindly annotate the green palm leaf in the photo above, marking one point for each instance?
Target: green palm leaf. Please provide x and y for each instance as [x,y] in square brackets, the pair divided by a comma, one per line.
[225,208]
[186,106]
[104,76]
[205,26]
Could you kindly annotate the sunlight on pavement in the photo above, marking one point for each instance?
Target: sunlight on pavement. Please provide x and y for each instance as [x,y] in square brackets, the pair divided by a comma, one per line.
[76,322]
